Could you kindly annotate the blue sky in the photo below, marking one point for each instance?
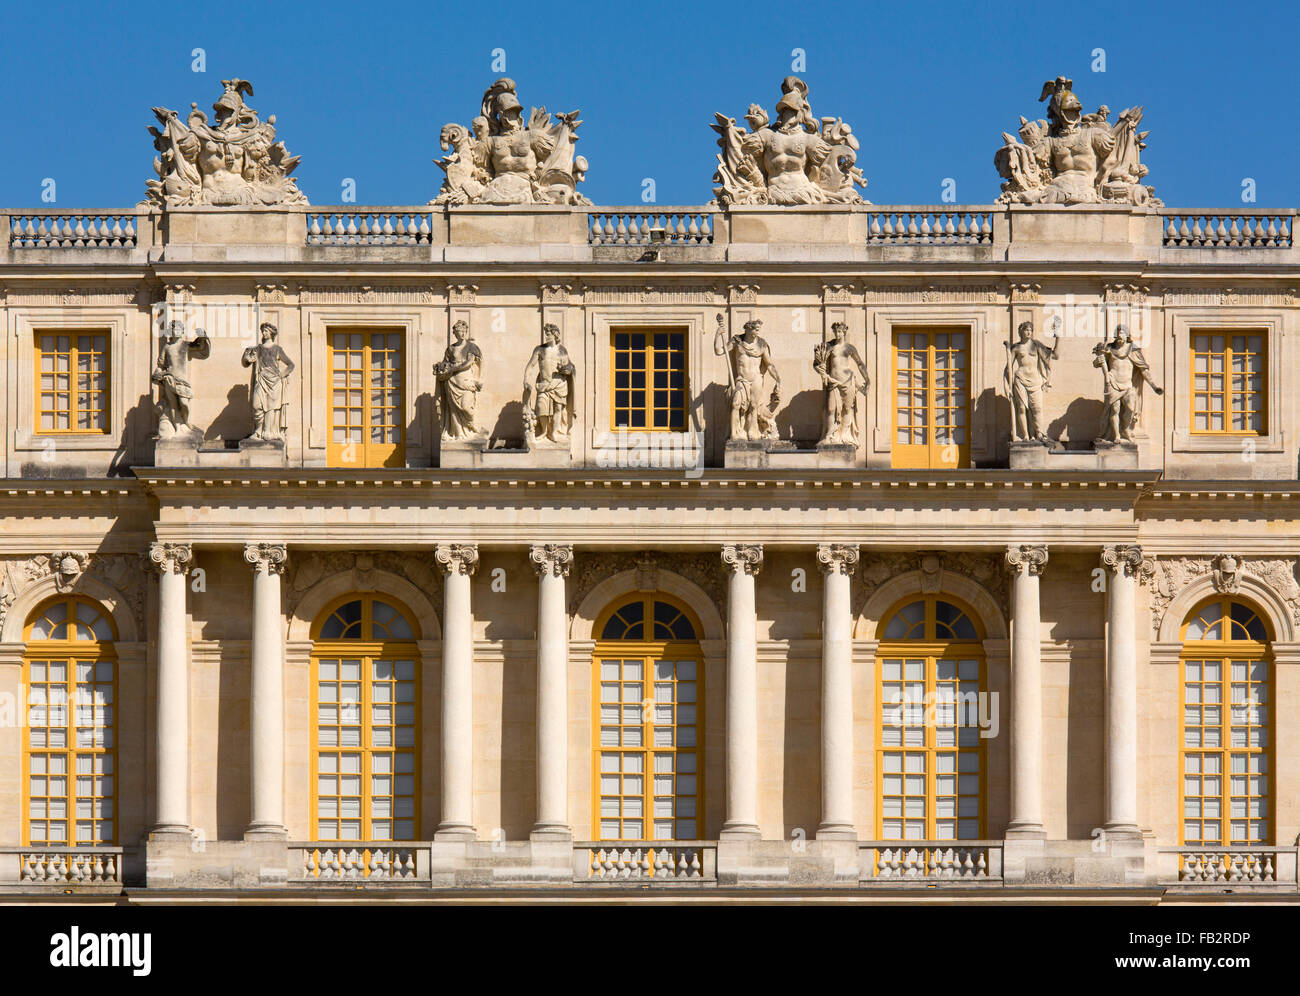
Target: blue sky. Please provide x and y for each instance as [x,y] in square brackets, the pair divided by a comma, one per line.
[361,90]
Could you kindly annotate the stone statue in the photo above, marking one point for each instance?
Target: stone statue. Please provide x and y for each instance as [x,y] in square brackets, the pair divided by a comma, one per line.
[271,368]
[548,389]
[457,376]
[844,377]
[1126,371]
[235,160]
[748,359]
[1027,377]
[503,161]
[1072,158]
[172,375]
[793,162]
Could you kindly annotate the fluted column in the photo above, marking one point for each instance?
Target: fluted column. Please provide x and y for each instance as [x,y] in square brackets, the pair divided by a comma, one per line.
[551,561]
[172,561]
[458,563]
[743,562]
[1125,567]
[838,562]
[1026,564]
[267,699]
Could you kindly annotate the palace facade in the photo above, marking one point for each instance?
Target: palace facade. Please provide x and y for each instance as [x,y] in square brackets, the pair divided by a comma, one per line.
[511,541]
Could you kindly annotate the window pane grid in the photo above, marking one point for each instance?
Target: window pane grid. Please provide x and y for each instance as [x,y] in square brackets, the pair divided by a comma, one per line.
[931,398]
[1228,383]
[649,382]
[71,382]
[366,398]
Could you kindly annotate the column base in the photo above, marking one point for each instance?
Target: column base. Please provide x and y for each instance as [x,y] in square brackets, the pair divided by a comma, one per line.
[737,830]
[266,831]
[552,832]
[1122,831]
[837,831]
[1024,830]
[455,832]
[171,831]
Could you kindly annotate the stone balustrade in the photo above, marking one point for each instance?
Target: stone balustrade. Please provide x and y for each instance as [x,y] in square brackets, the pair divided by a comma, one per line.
[1235,867]
[888,862]
[945,226]
[40,230]
[370,227]
[61,867]
[675,863]
[641,227]
[370,863]
[1227,230]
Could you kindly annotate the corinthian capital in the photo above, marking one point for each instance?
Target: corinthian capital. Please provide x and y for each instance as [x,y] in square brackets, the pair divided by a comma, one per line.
[457,558]
[747,557]
[171,558]
[551,558]
[837,558]
[1026,558]
[266,558]
[1128,560]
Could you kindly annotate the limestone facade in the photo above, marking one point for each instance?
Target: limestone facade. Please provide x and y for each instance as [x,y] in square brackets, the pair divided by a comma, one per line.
[1078,563]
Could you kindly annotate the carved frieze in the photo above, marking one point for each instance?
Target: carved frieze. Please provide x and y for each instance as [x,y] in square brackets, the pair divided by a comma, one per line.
[123,572]
[704,570]
[368,294]
[985,569]
[307,569]
[1173,575]
[650,294]
[934,294]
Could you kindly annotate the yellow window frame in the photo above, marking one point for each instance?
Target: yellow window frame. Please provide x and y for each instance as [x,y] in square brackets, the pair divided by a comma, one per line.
[75,409]
[648,651]
[1257,400]
[1224,652]
[930,649]
[930,454]
[651,353]
[366,452]
[366,651]
[69,652]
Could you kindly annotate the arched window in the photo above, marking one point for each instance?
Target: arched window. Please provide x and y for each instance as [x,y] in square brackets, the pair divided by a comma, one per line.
[1225,661]
[648,722]
[930,753]
[69,674]
[365,704]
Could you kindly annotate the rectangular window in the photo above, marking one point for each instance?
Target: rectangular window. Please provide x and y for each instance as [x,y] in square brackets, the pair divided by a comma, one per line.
[649,379]
[72,382]
[1228,383]
[931,398]
[367,412]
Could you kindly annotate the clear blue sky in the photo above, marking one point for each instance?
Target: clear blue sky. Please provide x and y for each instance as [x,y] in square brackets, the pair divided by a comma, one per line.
[360,90]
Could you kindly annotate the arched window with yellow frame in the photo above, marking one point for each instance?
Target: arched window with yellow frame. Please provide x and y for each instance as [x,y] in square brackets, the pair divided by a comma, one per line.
[930,773]
[365,722]
[69,755]
[1225,725]
[648,721]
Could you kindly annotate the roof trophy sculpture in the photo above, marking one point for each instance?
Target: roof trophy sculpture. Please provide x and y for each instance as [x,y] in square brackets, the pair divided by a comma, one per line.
[1074,158]
[748,359]
[234,160]
[502,160]
[793,162]
[1126,371]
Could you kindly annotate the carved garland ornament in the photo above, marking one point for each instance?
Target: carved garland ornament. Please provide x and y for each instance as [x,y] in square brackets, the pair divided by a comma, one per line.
[119,571]
[308,569]
[986,570]
[1226,571]
[703,570]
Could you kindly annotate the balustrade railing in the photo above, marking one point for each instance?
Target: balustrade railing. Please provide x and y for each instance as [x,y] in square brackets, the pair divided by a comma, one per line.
[373,863]
[645,862]
[365,227]
[60,867]
[41,230]
[1235,866]
[937,226]
[648,227]
[930,860]
[1227,230]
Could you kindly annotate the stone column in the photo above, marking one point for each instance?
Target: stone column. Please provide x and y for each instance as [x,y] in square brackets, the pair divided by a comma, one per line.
[1026,564]
[458,564]
[1125,567]
[743,561]
[172,561]
[551,561]
[267,699]
[838,561]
